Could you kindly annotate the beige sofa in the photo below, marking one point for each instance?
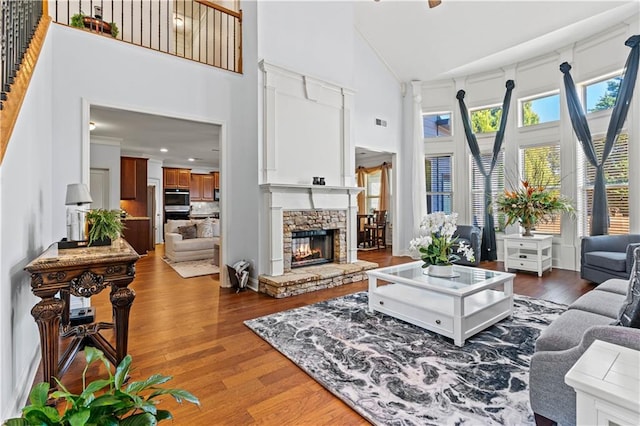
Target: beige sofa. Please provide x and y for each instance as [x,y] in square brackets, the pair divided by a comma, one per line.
[179,249]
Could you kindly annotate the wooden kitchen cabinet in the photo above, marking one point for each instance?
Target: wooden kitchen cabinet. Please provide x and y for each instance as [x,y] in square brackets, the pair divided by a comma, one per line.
[207,187]
[176,178]
[195,193]
[201,187]
[128,178]
[136,232]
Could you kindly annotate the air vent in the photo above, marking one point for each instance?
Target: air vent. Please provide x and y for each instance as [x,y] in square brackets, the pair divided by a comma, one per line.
[381,122]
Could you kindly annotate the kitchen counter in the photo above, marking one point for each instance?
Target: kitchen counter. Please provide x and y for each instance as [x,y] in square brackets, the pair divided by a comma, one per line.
[135,218]
[215,215]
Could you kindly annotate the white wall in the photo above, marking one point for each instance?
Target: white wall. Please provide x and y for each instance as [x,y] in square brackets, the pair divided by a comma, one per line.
[106,155]
[26,206]
[137,80]
[310,37]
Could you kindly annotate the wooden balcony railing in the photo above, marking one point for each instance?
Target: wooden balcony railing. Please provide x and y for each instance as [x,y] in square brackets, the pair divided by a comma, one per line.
[199,30]
[23,26]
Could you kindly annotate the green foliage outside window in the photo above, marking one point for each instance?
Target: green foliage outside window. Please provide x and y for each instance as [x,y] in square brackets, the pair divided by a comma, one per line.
[608,99]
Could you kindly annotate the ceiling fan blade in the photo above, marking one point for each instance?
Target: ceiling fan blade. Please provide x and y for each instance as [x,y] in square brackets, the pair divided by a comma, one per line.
[434,3]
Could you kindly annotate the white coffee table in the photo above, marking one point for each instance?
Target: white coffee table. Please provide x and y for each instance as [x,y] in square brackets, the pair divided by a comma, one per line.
[457,307]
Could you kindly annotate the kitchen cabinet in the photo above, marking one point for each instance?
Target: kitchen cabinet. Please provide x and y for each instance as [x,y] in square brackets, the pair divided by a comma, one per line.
[201,187]
[128,166]
[136,232]
[176,178]
[216,185]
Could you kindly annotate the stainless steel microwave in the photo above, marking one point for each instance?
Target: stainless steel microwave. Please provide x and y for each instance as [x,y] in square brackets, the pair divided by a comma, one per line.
[176,197]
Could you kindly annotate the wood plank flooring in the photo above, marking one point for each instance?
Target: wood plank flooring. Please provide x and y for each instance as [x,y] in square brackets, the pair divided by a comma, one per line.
[193,330]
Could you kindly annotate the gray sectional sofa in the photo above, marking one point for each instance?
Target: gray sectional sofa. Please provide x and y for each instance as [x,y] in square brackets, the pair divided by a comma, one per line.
[610,313]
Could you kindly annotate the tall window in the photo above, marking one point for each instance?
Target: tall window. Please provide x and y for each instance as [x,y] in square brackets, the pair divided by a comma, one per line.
[436,125]
[539,109]
[477,190]
[373,190]
[540,166]
[616,177]
[438,184]
[486,120]
[602,94]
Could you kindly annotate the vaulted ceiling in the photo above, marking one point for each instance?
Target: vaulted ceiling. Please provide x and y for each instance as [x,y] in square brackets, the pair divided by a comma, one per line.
[460,38]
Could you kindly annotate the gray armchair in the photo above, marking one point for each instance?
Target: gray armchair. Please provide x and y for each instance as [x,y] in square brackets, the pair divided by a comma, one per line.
[607,256]
[550,396]
[472,236]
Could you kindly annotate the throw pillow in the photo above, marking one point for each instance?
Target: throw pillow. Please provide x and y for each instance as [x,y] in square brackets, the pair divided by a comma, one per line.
[205,229]
[187,232]
[630,311]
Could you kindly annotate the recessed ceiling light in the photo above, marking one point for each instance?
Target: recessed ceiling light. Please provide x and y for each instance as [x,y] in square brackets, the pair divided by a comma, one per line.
[192,159]
[92,125]
[164,150]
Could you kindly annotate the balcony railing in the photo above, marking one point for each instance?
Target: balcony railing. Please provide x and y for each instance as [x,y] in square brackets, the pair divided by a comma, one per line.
[199,30]
[18,23]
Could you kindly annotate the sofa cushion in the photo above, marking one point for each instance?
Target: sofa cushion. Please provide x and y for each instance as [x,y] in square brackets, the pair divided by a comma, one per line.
[204,228]
[187,231]
[173,224]
[566,331]
[613,260]
[195,244]
[615,285]
[600,302]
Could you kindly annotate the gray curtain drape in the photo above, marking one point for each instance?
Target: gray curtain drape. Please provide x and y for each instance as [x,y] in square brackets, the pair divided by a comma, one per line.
[600,212]
[489,251]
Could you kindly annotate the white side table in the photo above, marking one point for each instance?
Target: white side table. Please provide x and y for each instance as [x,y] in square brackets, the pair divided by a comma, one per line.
[528,253]
[606,379]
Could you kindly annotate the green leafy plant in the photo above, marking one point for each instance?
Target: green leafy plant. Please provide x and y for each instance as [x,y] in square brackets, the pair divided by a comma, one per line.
[77,20]
[104,224]
[530,204]
[114,29]
[133,405]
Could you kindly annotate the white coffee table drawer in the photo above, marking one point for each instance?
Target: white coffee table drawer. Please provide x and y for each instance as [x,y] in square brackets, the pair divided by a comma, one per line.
[410,305]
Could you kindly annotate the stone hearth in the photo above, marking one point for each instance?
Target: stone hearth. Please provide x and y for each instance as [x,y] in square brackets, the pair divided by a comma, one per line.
[313,278]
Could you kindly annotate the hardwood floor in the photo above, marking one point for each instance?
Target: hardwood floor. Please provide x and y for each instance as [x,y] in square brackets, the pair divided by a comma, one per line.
[193,330]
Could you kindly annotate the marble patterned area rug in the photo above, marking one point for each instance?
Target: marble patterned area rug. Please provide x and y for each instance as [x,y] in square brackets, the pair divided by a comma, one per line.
[193,268]
[394,373]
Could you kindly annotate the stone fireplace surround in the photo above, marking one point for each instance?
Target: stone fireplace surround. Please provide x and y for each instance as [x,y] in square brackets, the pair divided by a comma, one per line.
[314,220]
[309,207]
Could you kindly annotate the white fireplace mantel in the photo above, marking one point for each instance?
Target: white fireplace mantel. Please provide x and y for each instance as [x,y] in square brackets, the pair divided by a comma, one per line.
[281,197]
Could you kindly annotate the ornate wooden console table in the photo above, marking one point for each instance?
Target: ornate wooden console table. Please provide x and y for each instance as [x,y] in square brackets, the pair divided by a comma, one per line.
[82,272]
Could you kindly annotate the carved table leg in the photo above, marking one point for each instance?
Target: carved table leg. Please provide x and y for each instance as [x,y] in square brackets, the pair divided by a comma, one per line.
[47,314]
[121,299]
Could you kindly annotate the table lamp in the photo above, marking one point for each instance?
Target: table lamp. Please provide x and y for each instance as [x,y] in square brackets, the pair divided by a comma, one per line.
[77,195]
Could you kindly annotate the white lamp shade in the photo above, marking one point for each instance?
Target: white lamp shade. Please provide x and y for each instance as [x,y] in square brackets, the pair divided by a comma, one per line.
[77,193]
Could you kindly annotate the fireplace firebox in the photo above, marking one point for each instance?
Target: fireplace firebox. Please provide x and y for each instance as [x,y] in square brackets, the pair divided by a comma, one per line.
[311,247]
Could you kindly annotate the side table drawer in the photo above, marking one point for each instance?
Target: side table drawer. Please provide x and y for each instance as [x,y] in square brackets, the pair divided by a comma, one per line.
[522,245]
[526,264]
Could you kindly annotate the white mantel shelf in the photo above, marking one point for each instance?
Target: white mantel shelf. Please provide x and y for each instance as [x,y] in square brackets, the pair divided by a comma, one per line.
[279,187]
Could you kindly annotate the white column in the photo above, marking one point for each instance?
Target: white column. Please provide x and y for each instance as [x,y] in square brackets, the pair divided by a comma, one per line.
[419,192]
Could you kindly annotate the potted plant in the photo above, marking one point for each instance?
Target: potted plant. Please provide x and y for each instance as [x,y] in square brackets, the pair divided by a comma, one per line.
[435,244]
[77,20]
[104,226]
[104,401]
[80,20]
[530,204]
